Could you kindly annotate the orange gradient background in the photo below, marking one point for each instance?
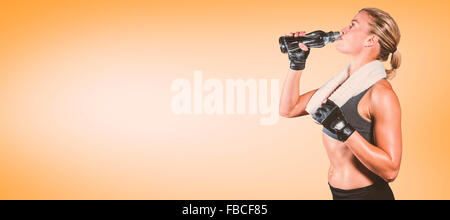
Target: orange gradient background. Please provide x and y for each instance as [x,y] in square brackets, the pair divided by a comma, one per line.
[85,99]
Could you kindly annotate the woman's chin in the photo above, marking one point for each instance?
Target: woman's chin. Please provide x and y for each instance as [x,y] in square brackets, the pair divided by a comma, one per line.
[340,49]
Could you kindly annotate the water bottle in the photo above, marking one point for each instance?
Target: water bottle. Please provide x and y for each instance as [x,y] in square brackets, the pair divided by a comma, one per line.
[315,39]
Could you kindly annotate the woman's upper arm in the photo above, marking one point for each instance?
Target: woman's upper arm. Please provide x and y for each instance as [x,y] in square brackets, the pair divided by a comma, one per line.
[299,108]
[386,113]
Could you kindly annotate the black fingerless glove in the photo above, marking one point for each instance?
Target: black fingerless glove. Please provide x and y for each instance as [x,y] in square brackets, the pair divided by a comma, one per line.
[298,58]
[331,117]
[296,55]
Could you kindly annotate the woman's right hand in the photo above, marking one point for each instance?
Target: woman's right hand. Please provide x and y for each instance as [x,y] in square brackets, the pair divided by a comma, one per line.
[298,57]
[299,34]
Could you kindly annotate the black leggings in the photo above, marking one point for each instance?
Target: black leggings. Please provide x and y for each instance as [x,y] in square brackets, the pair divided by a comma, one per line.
[377,191]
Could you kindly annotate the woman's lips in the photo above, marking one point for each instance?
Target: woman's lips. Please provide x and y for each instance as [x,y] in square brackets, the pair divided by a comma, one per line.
[340,38]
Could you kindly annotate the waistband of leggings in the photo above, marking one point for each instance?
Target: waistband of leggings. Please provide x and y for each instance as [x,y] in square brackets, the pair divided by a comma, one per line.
[365,188]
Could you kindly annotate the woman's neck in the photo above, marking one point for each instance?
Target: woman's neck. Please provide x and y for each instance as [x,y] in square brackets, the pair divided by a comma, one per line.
[357,62]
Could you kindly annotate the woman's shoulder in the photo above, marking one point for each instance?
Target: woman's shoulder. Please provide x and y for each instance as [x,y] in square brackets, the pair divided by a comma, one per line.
[381,86]
[383,96]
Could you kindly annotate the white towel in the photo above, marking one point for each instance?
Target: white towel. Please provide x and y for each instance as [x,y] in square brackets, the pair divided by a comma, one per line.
[359,81]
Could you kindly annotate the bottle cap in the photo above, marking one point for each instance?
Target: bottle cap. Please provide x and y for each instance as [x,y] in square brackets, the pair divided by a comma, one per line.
[334,36]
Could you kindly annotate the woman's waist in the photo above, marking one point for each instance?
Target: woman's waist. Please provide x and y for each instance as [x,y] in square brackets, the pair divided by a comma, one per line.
[349,176]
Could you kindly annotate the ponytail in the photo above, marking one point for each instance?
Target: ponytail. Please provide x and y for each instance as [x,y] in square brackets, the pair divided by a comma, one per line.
[396,60]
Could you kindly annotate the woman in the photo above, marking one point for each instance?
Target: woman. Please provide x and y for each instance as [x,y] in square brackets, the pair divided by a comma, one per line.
[363,165]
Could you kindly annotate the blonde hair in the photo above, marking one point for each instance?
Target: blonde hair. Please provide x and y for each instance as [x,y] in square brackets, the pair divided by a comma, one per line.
[384,26]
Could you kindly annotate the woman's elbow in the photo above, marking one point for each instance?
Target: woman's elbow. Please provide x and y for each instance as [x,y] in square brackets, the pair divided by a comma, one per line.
[391,175]
[284,112]
[288,114]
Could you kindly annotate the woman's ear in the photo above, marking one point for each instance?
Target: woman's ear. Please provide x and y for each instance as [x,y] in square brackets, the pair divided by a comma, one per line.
[371,40]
